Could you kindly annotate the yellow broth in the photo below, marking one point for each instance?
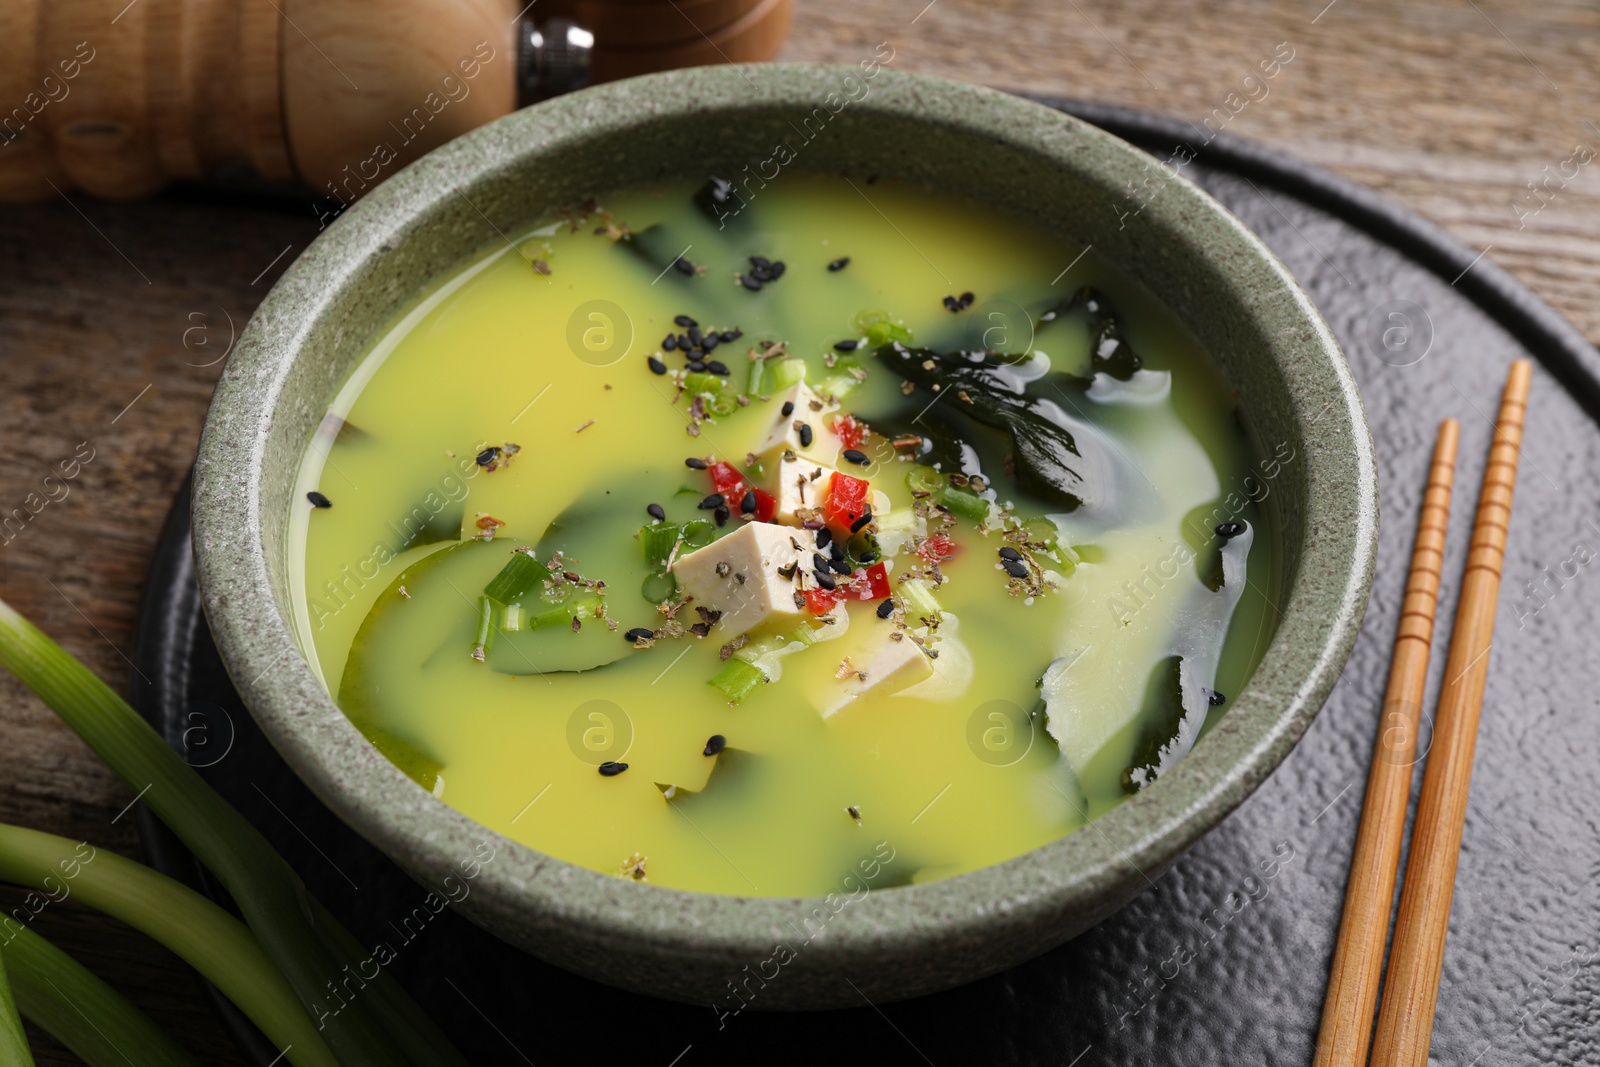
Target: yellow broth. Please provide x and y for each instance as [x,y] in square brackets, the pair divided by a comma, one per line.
[543,341]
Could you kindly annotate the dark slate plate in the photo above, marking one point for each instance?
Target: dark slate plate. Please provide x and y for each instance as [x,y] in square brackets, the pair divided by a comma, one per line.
[1223,961]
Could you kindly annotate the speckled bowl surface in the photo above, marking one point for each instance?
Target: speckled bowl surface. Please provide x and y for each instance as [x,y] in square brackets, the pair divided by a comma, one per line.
[308,334]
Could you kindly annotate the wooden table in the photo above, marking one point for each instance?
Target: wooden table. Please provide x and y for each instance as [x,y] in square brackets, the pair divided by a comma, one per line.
[113,316]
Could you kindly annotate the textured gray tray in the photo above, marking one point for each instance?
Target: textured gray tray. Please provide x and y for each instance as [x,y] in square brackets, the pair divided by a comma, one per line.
[1224,960]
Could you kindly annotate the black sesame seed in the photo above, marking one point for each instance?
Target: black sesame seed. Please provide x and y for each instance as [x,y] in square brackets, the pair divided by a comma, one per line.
[835,549]
[750,283]
[656,366]
[845,346]
[1216,699]
[839,264]
[639,633]
[318,500]
[966,300]
[761,274]
[760,261]
[805,435]
[886,608]
[1010,553]
[694,335]
[1229,530]
[684,342]
[486,457]
[866,517]
[787,409]
[820,562]
[696,365]
[611,768]
[778,268]
[684,321]
[657,512]
[1015,568]
[824,537]
[729,336]
[721,515]
[824,579]
[868,557]
[952,304]
[715,500]
[716,366]
[841,566]
[695,463]
[856,456]
[710,341]
[668,343]
[715,744]
[683,265]
[747,506]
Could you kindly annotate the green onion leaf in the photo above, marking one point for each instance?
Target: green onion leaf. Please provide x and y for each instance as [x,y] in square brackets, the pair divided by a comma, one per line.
[13,1040]
[381,1030]
[57,994]
[198,931]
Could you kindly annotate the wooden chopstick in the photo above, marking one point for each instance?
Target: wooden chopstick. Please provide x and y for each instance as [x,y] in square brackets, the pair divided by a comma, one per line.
[1352,993]
[1411,990]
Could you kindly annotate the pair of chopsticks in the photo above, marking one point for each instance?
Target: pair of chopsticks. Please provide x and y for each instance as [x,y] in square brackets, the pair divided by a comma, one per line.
[1411,989]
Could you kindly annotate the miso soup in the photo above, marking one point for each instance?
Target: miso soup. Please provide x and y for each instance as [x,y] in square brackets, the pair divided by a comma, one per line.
[717,541]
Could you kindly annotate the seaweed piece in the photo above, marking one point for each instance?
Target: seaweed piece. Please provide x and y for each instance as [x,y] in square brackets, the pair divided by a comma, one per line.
[718,201]
[1044,439]
[1110,352]
[424,526]
[1161,719]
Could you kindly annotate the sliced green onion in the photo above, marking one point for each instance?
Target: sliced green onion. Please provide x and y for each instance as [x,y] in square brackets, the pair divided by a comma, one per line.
[787,372]
[738,679]
[511,619]
[198,931]
[700,381]
[880,329]
[380,1030]
[698,533]
[658,588]
[562,612]
[837,386]
[967,504]
[924,479]
[485,627]
[522,576]
[895,521]
[758,378]
[57,994]
[656,541]
[919,599]
[1040,530]
[13,1039]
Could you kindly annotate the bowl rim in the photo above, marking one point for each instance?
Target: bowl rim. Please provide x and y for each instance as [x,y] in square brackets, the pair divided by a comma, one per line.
[256,639]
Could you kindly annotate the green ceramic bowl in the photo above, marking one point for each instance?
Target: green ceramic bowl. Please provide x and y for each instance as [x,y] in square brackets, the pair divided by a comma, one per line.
[1017,156]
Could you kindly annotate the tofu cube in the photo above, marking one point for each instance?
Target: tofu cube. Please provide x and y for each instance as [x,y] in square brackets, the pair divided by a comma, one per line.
[887,667]
[799,483]
[738,576]
[809,409]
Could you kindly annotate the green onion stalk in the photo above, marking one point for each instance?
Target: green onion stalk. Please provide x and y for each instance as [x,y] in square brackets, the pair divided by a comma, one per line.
[376,1030]
[56,993]
[13,1041]
[198,931]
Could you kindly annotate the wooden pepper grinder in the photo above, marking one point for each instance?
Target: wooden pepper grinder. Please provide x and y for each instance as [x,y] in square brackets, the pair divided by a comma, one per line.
[118,98]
